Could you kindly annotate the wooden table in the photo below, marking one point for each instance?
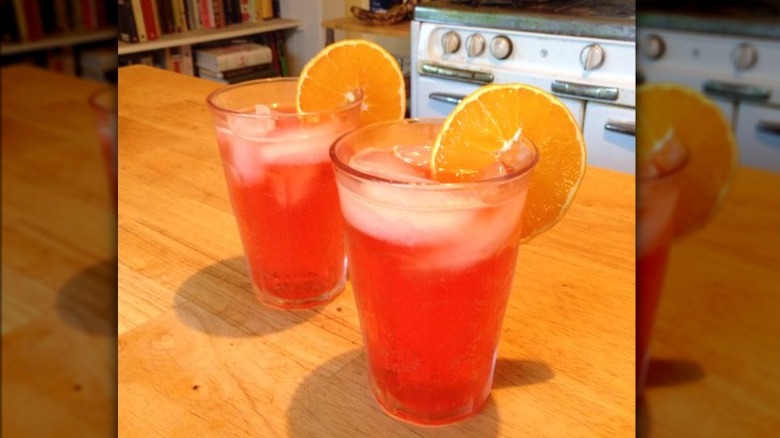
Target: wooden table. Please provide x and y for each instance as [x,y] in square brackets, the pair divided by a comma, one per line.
[198,355]
[58,260]
[352,24]
[716,346]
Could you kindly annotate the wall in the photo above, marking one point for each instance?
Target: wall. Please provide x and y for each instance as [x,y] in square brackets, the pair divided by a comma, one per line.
[304,42]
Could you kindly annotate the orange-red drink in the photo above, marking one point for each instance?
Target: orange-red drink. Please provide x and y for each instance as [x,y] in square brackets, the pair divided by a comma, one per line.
[657,194]
[281,186]
[431,265]
[104,107]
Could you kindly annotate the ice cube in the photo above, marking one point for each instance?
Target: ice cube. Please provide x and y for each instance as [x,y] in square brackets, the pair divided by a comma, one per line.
[415,155]
[385,164]
[518,156]
[250,127]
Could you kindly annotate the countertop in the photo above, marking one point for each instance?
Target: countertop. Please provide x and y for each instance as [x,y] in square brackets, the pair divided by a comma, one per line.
[58,265]
[716,344]
[198,355]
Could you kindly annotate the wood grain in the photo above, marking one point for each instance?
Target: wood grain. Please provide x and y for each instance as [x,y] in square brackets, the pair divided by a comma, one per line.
[58,265]
[352,24]
[198,354]
[716,345]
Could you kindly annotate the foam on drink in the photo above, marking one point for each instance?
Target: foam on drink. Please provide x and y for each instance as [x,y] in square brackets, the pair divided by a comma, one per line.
[435,216]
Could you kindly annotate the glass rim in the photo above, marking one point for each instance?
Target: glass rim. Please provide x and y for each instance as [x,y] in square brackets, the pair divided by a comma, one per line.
[435,185]
[95,103]
[210,101]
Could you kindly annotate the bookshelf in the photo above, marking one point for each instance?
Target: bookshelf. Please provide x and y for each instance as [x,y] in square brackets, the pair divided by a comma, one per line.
[57,41]
[206,35]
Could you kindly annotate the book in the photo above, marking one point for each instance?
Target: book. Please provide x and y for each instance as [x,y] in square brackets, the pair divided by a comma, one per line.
[8,26]
[140,22]
[207,13]
[128,32]
[32,19]
[165,14]
[232,56]
[265,9]
[219,13]
[260,74]
[236,72]
[148,11]
[187,66]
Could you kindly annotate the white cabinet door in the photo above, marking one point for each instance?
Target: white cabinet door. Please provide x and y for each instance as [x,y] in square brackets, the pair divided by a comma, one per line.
[758,135]
[610,136]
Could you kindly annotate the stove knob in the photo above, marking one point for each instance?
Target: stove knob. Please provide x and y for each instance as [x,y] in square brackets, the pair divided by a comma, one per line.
[744,56]
[653,47]
[592,57]
[475,45]
[450,42]
[500,47]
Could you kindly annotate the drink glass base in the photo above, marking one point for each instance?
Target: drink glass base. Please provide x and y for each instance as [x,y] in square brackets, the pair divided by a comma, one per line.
[420,419]
[273,301]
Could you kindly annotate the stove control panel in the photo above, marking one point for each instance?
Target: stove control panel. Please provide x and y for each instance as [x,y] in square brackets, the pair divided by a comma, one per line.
[475,45]
[501,47]
[450,42]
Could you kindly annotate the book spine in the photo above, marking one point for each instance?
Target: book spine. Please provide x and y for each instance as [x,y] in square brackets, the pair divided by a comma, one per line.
[21,22]
[266,9]
[8,25]
[248,11]
[219,13]
[128,32]
[227,7]
[235,7]
[147,8]
[61,14]
[101,19]
[271,38]
[156,16]
[230,61]
[281,49]
[165,14]
[140,23]
[32,15]
[187,66]
[207,14]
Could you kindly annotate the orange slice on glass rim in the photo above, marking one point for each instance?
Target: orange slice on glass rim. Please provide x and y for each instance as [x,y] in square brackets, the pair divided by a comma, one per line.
[489,121]
[330,79]
[672,110]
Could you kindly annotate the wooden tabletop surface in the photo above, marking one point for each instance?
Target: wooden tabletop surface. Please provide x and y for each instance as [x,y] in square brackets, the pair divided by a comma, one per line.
[352,24]
[198,355]
[58,260]
[716,345]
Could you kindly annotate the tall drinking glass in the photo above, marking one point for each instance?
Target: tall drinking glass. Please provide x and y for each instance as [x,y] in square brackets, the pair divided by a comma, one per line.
[657,193]
[431,265]
[282,189]
[104,107]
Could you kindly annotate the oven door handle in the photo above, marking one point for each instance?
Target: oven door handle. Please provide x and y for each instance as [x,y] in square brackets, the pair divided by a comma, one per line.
[456,74]
[585,90]
[447,98]
[734,91]
[768,127]
[627,128]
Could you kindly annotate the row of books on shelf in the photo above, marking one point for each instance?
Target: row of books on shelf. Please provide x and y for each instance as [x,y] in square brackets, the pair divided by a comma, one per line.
[229,63]
[145,20]
[32,20]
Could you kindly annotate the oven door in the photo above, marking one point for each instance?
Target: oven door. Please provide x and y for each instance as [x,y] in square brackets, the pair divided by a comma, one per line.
[610,136]
[437,97]
[758,135]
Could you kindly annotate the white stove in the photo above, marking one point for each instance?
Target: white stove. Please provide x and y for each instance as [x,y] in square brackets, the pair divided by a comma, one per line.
[581,51]
[731,57]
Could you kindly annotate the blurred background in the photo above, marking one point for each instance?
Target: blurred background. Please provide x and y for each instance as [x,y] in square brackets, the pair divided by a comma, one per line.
[716,342]
[58,218]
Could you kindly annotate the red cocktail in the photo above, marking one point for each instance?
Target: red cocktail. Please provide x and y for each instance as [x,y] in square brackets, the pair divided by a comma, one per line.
[282,190]
[431,266]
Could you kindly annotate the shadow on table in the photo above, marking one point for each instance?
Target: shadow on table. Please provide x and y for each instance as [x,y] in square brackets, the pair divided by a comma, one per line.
[661,373]
[88,300]
[339,391]
[218,300]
